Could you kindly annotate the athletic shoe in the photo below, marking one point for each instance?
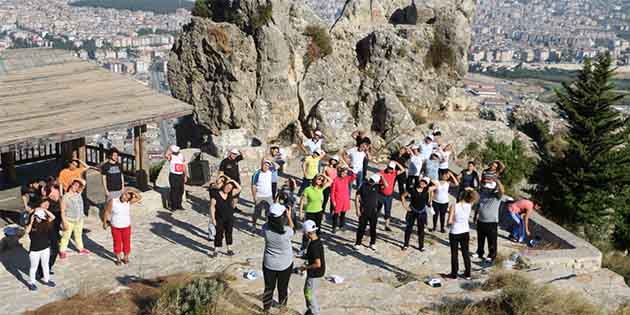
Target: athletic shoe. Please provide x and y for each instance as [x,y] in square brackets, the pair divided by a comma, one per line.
[475,255]
[230,252]
[388,229]
[442,231]
[451,276]
[212,254]
[334,230]
[356,246]
[468,278]
[373,247]
[488,260]
[421,250]
[404,248]
[84,252]
[32,287]
[63,255]
[50,284]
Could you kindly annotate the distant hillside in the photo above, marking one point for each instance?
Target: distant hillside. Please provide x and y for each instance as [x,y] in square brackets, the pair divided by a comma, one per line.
[157,6]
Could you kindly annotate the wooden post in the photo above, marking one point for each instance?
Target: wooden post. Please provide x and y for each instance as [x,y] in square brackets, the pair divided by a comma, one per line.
[8,165]
[139,148]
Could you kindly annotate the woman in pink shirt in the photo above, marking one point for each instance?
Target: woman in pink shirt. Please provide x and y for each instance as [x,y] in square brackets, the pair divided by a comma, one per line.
[340,196]
[331,171]
[520,211]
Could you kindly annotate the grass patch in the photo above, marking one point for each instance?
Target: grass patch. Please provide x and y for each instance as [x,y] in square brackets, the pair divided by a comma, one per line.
[520,296]
[221,37]
[320,45]
[618,263]
[263,16]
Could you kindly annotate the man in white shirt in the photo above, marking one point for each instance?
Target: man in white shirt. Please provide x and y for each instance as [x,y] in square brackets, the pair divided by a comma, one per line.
[415,167]
[313,143]
[355,157]
[427,147]
[262,192]
[178,175]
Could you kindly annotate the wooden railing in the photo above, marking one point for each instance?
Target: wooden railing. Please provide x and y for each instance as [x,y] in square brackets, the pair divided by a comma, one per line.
[95,156]
[37,153]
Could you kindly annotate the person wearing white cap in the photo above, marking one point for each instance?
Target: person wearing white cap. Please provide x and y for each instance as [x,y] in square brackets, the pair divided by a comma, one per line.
[315,266]
[278,254]
[177,177]
[262,190]
[420,200]
[367,204]
[38,230]
[229,168]
[427,147]
[415,167]
[388,177]
[313,143]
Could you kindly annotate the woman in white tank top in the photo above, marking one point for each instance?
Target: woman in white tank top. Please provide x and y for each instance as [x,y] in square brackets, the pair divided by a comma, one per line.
[118,217]
[459,236]
[441,199]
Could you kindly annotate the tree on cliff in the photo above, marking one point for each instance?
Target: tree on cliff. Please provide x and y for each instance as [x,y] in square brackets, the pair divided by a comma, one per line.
[582,186]
[201,9]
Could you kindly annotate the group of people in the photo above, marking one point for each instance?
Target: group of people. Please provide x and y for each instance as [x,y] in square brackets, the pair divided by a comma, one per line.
[55,210]
[425,184]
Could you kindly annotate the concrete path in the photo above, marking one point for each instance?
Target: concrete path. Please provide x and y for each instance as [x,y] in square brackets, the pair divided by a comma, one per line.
[387,281]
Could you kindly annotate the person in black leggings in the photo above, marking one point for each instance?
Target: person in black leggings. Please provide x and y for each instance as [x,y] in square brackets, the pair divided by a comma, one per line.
[222,215]
[416,211]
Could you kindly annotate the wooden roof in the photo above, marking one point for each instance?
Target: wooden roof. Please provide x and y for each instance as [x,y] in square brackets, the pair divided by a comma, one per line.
[48,96]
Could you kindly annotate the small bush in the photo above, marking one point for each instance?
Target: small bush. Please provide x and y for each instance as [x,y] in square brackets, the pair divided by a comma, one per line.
[201,9]
[263,16]
[521,296]
[155,170]
[221,37]
[198,297]
[320,45]
[518,165]
[618,263]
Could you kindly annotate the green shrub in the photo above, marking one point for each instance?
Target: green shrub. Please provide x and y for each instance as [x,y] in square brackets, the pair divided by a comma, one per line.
[521,296]
[201,9]
[320,45]
[154,171]
[518,165]
[198,297]
[618,263]
[263,16]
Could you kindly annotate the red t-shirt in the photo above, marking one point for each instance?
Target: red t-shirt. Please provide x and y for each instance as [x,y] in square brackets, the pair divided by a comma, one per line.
[390,178]
[522,206]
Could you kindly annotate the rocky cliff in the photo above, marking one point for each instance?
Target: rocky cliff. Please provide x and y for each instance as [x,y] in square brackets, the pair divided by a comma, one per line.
[275,68]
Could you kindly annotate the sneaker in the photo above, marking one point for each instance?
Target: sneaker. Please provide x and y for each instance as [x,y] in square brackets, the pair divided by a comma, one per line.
[230,252]
[467,278]
[63,255]
[50,284]
[32,287]
[84,252]
[421,249]
[334,230]
[388,229]
[356,246]
[442,231]
[431,230]
[451,276]
[373,247]
[404,248]
[475,255]
[488,261]
[212,253]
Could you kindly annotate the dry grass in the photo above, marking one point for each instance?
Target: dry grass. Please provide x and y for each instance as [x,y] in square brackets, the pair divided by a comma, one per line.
[623,309]
[142,297]
[618,263]
[521,296]
[221,37]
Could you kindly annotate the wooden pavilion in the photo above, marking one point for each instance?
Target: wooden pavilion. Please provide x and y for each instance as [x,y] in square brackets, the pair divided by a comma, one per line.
[51,100]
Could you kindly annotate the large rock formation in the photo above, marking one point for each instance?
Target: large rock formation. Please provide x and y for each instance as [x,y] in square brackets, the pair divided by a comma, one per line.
[251,66]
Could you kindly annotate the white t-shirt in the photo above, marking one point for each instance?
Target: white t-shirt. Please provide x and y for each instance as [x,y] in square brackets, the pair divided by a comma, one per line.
[446,155]
[441,192]
[426,150]
[177,163]
[461,217]
[121,217]
[263,181]
[312,145]
[356,159]
[415,165]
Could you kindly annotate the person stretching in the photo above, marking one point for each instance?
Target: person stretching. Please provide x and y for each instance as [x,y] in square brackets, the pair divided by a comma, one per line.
[118,216]
[340,197]
[222,215]
[459,236]
[521,211]
[315,266]
[440,202]
[416,210]
[72,218]
[38,230]
[367,204]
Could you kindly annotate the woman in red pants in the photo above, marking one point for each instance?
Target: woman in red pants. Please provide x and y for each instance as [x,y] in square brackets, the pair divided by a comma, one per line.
[117,216]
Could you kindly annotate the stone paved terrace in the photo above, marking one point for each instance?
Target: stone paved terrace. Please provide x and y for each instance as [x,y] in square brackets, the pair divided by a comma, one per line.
[380,282]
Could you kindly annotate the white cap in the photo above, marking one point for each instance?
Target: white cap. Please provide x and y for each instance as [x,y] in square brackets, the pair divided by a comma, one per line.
[490,185]
[335,157]
[40,214]
[375,178]
[276,210]
[426,179]
[431,137]
[174,148]
[235,151]
[392,165]
[309,226]
[319,133]
[267,162]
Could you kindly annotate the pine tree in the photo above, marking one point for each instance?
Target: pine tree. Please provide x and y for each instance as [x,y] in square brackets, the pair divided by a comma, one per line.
[579,186]
[201,9]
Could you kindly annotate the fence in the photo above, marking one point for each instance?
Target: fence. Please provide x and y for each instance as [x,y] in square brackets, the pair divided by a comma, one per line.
[97,155]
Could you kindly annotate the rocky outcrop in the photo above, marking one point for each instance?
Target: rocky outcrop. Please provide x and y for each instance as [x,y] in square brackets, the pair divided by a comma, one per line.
[251,66]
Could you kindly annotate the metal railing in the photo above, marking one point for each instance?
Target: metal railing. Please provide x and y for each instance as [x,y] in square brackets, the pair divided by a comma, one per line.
[95,156]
